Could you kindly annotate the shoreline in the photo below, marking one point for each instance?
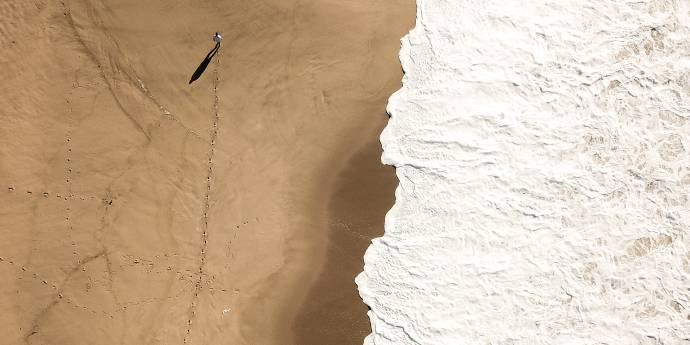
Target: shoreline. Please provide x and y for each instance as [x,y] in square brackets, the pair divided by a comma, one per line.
[362,192]
[322,305]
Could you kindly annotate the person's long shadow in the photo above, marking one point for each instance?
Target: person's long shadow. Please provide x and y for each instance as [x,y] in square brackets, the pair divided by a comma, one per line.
[202,67]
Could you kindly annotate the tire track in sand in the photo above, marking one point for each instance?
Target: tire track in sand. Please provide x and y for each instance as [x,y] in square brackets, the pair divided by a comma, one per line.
[205,205]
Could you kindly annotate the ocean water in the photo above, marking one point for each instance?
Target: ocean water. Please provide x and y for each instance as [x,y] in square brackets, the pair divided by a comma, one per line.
[543,153]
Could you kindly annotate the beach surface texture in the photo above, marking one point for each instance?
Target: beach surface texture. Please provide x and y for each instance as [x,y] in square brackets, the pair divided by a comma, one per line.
[137,208]
[543,152]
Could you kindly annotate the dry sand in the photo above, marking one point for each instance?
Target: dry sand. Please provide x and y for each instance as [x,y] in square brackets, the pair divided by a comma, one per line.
[137,209]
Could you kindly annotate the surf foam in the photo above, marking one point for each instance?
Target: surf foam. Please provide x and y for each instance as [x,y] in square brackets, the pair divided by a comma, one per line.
[542,152]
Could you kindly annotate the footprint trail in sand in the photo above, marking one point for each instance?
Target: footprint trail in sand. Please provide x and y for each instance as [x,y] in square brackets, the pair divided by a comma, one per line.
[205,204]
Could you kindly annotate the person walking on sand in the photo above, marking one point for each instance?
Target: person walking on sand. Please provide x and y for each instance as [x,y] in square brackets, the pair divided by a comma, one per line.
[202,67]
[217,38]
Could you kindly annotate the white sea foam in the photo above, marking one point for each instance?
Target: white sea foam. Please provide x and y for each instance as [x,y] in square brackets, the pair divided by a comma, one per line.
[542,149]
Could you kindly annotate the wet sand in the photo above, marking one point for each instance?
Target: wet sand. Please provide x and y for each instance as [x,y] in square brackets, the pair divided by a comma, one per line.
[140,209]
[333,312]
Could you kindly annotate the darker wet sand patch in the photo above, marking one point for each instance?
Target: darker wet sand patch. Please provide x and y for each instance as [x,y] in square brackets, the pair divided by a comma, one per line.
[364,191]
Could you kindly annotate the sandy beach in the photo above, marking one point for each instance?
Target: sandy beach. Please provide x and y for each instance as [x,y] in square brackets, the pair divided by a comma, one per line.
[140,209]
